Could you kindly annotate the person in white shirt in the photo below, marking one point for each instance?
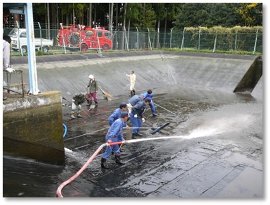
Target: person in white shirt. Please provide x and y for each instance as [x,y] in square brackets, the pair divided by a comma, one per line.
[132,80]
[6,52]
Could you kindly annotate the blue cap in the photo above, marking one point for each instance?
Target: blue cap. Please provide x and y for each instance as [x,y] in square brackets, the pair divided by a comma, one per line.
[124,114]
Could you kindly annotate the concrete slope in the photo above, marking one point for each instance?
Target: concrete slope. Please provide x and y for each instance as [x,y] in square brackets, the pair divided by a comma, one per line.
[205,72]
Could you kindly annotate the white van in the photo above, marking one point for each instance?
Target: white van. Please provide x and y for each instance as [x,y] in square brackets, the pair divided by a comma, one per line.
[19,41]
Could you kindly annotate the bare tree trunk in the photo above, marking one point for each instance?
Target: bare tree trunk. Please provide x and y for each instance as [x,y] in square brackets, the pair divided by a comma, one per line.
[124,26]
[73,16]
[116,17]
[158,29]
[90,15]
[165,31]
[115,37]
[48,15]
[144,15]
[128,33]
[57,16]
[67,17]
[62,16]
[54,10]
[111,18]
[95,15]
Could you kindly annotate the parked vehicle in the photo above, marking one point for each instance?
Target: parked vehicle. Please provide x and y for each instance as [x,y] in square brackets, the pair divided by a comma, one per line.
[19,41]
[84,37]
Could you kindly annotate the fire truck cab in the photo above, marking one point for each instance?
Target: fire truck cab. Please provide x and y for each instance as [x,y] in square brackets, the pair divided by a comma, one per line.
[84,37]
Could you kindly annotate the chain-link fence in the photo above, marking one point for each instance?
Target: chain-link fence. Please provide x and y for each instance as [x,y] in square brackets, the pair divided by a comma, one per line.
[185,40]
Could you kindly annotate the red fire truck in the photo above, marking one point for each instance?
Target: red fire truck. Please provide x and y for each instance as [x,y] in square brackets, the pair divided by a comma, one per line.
[84,37]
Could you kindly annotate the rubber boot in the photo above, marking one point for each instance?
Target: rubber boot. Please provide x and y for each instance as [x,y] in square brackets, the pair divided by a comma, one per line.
[89,103]
[103,160]
[117,160]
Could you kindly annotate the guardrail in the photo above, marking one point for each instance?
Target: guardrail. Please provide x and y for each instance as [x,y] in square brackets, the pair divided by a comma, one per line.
[13,82]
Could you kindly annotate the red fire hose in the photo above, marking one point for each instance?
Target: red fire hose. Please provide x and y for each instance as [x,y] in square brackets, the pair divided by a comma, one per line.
[59,189]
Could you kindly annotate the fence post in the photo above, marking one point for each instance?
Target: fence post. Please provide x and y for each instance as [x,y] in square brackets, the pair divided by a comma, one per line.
[80,42]
[115,39]
[137,37]
[255,44]
[158,45]
[128,34]
[63,38]
[199,43]
[18,37]
[99,48]
[235,41]
[40,34]
[123,37]
[183,38]
[171,38]
[215,43]
[149,41]
[126,40]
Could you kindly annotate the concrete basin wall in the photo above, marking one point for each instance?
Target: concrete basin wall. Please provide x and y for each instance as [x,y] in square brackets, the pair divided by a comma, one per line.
[32,127]
[163,72]
[206,72]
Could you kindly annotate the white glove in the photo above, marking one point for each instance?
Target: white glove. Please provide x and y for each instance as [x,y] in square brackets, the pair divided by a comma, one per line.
[143,120]
[10,70]
[135,115]
[129,106]
[73,106]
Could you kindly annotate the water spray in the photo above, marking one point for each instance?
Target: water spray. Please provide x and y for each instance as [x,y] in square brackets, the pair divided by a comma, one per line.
[59,189]
[154,130]
[193,134]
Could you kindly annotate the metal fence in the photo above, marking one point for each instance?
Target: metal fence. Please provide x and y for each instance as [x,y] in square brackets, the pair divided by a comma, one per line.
[13,83]
[184,40]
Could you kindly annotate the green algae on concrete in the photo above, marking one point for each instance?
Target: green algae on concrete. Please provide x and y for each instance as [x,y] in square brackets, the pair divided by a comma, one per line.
[32,127]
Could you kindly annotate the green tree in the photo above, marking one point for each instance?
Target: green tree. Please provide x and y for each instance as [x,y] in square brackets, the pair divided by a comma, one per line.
[149,17]
[134,14]
[218,14]
[251,14]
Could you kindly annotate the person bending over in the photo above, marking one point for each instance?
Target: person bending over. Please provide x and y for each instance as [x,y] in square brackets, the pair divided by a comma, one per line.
[114,134]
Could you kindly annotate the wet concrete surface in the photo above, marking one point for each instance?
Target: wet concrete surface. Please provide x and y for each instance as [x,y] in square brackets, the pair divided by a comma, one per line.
[83,56]
[219,152]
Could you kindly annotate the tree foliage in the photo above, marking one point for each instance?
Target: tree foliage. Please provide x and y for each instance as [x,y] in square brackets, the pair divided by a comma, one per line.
[153,15]
[251,14]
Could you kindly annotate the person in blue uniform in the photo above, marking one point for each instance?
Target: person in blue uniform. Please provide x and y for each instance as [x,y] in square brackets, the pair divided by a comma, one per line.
[133,101]
[114,134]
[117,113]
[137,107]
[149,94]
